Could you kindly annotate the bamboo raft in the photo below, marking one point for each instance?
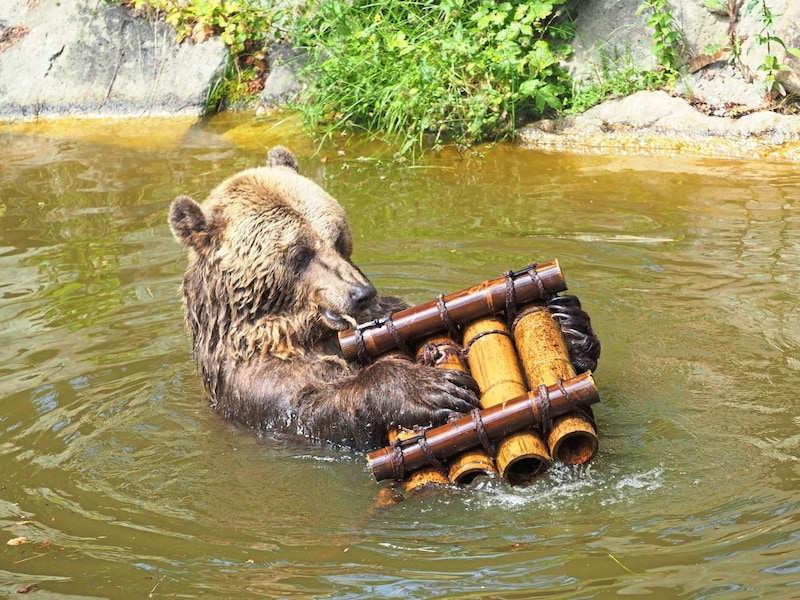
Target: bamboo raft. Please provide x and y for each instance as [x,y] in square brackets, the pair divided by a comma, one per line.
[513,334]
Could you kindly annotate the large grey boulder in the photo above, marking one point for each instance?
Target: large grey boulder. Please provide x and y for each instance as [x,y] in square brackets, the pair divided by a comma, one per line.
[86,58]
[283,84]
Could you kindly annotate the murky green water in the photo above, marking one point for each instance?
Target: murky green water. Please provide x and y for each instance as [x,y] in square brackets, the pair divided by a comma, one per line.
[124,481]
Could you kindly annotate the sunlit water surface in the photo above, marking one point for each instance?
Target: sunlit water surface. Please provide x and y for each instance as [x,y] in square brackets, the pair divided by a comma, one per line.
[127,485]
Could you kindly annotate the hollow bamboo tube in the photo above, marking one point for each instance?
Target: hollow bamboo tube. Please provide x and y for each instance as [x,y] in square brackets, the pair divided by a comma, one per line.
[449,355]
[497,422]
[472,465]
[544,355]
[373,339]
[573,440]
[493,363]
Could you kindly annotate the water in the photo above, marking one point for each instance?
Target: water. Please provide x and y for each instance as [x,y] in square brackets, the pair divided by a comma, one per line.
[128,486]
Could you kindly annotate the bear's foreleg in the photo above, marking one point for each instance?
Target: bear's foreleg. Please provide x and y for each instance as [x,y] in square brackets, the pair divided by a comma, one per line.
[322,399]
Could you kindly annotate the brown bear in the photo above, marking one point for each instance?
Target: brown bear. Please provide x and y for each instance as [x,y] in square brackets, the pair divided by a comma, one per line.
[269,284]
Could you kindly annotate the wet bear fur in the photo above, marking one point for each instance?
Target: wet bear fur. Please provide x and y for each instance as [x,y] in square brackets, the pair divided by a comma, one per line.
[268,286]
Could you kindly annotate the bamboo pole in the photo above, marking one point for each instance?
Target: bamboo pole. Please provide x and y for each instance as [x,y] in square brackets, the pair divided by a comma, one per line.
[408,326]
[492,359]
[424,479]
[496,422]
[544,355]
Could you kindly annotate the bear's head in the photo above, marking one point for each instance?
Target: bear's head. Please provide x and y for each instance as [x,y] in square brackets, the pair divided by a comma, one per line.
[269,267]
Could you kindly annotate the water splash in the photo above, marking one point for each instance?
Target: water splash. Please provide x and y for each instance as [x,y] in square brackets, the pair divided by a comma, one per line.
[570,487]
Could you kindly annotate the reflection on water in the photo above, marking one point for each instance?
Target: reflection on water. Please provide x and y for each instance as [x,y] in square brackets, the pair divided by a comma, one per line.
[123,481]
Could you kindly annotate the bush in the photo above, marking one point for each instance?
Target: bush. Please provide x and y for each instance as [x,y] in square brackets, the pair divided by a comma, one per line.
[426,72]
[616,75]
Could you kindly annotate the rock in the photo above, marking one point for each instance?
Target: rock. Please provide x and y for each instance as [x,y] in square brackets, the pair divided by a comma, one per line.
[610,31]
[720,83]
[282,84]
[85,58]
[656,123]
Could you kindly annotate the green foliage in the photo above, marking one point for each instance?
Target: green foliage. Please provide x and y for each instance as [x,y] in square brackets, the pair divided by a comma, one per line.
[615,76]
[766,37]
[235,89]
[618,75]
[716,5]
[666,35]
[425,72]
[242,25]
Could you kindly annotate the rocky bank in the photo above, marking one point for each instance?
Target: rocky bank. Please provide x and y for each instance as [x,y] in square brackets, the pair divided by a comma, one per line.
[90,58]
[718,108]
[656,123]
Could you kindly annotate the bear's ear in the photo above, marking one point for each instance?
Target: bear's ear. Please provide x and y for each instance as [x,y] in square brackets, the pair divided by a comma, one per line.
[280,156]
[188,222]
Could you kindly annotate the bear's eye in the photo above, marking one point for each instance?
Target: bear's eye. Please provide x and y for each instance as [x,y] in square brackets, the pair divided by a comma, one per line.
[300,256]
[344,246]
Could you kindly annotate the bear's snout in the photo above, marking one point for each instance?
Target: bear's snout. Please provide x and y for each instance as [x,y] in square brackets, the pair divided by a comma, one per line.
[361,296]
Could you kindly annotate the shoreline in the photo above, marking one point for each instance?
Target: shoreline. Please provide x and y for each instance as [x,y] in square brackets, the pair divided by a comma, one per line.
[658,124]
[644,124]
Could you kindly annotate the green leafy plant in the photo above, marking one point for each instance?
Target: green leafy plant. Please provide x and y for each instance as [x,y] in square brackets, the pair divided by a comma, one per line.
[615,75]
[666,36]
[243,25]
[425,72]
[235,89]
[766,37]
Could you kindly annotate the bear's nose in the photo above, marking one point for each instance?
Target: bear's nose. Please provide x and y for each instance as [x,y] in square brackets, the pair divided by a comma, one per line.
[362,295]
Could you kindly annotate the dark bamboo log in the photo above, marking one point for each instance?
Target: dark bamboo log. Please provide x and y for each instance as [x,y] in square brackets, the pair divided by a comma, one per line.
[406,327]
[395,462]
